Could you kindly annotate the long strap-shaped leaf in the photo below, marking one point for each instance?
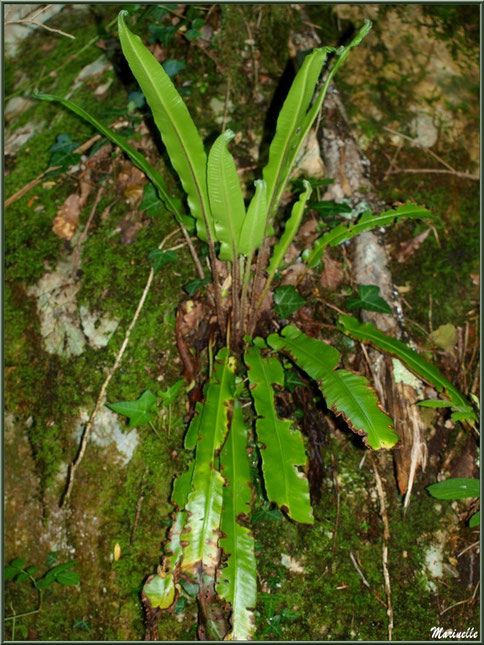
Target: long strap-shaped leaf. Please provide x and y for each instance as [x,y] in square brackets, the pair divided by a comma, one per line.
[237,582]
[346,393]
[283,447]
[252,231]
[204,505]
[135,156]
[366,222]
[179,133]
[289,124]
[295,120]
[226,199]
[290,230]
[160,589]
[368,333]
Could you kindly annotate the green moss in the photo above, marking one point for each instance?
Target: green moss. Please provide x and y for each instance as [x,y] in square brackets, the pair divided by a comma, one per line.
[447,262]
[329,598]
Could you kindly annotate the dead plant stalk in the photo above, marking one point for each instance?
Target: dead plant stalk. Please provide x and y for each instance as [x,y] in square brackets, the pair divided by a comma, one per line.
[386,539]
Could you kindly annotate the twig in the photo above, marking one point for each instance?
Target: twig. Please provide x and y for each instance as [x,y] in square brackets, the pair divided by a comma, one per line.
[364,580]
[29,20]
[462,602]
[337,495]
[461,175]
[386,539]
[85,435]
[77,254]
[471,546]
[138,509]
[32,184]
[392,160]
[451,454]
[415,143]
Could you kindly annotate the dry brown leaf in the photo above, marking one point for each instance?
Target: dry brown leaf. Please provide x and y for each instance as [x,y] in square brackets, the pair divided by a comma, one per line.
[129,231]
[133,194]
[86,186]
[408,248]
[129,175]
[333,275]
[67,218]
[292,274]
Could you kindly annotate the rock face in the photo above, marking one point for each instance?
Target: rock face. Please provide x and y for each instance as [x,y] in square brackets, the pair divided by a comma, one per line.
[405,44]
[64,327]
[15,32]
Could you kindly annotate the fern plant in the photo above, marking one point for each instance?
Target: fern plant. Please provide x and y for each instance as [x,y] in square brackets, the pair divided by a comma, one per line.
[210,544]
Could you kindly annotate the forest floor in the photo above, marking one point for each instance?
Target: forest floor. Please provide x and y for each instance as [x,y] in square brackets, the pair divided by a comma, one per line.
[77,241]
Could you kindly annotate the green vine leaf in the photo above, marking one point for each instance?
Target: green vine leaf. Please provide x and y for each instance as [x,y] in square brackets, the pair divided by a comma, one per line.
[151,203]
[475,520]
[139,411]
[169,395]
[161,258]
[369,298]
[287,300]
[194,285]
[283,452]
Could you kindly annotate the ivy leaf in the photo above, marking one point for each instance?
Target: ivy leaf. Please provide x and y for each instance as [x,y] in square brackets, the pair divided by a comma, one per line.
[266,513]
[160,591]
[369,298]
[455,488]
[194,32]
[292,380]
[161,258]
[170,394]
[161,33]
[475,520]
[151,203]
[56,575]
[136,99]
[139,411]
[51,559]
[63,152]
[329,208]
[68,578]
[172,66]
[192,287]
[287,300]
